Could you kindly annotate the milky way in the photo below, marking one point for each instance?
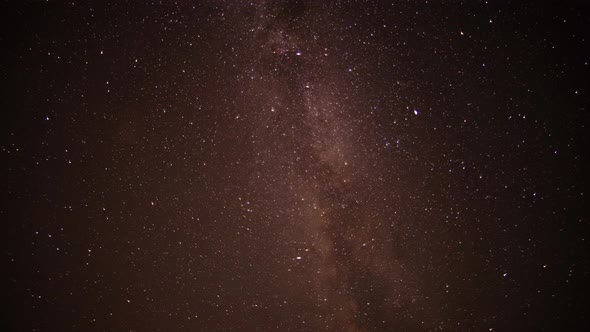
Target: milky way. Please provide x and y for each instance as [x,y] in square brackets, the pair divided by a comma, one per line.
[295,166]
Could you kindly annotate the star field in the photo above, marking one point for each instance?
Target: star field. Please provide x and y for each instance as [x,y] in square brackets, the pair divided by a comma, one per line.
[295,165]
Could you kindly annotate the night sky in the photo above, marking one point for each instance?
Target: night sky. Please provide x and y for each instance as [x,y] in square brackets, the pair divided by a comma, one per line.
[295,165]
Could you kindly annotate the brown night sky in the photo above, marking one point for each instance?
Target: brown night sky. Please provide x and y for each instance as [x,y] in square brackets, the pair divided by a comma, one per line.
[295,165]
